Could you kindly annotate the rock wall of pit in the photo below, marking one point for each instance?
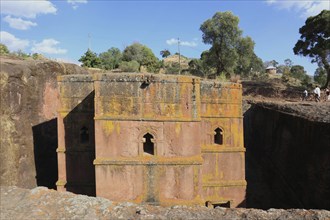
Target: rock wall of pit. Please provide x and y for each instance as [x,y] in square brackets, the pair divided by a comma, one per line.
[28,120]
[287,159]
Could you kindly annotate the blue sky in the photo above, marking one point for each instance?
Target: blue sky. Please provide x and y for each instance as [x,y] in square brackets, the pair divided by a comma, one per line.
[64,29]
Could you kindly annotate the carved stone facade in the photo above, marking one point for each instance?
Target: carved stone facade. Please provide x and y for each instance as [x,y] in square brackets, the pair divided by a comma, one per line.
[149,138]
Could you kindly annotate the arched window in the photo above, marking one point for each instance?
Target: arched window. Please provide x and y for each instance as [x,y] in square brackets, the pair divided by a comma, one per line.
[84,135]
[148,144]
[218,136]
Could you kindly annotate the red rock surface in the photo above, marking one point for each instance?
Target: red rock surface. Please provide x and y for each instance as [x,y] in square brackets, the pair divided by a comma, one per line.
[42,203]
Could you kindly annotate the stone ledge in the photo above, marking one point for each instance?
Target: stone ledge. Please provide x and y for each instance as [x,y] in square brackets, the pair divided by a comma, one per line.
[210,148]
[197,160]
[152,119]
[229,183]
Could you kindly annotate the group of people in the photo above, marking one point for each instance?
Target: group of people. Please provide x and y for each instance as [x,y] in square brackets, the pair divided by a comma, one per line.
[317,94]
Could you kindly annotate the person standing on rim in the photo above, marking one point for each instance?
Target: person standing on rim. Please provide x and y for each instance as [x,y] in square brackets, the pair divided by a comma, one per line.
[317,93]
[305,95]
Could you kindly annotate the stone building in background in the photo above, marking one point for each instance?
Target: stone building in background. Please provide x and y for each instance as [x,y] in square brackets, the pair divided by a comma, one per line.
[157,139]
[271,70]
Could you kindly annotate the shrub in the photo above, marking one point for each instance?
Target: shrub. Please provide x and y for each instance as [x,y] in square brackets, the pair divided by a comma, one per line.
[129,66]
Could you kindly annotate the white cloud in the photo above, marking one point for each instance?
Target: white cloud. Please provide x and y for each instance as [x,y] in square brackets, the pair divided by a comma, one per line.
[306,8]
[174,41]
[48,46]
[18,23]
[27,9]
[75,3]
[12,42]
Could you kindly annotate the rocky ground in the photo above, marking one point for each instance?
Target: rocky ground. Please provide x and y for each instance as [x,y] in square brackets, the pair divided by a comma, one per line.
[42,203]
[276,95]
[310,110]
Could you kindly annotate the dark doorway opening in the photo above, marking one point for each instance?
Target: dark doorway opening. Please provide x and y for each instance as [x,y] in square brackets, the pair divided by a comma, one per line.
[219,204]
[45,156]
[224,205]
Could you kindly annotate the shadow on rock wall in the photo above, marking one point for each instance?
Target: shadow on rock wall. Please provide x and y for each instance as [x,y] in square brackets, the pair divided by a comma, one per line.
[287,160]
[45,156]
[80,148]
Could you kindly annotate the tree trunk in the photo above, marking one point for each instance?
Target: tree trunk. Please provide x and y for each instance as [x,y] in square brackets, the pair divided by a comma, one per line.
[328,79]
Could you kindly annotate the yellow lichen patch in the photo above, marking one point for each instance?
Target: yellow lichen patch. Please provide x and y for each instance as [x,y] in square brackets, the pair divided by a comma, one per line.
[108,126]
[117,128]
[177,128]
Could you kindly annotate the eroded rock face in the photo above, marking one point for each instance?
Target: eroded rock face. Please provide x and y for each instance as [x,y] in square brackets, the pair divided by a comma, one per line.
[28,120]
[42,203]
[287,155]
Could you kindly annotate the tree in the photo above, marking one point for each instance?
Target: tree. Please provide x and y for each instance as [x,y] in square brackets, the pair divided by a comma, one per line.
[110,59]
[3,49]
[90,59]
[143,55]
[320,76]
[288,63]
[256,65]
[129,66]
[196,67]
[298,72]
[245,53]
[223,34]
[274,63]
[165,53]
[315,41]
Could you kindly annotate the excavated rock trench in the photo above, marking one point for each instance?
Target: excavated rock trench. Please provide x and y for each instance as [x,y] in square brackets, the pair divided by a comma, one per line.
[287,156]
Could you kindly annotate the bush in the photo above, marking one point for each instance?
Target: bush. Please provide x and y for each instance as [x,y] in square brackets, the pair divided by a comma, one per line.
[129,66]
[222,77]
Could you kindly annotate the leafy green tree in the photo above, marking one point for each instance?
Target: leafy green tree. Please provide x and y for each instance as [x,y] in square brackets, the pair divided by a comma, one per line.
[90,59]
[143,55]
[3,49]
[223,34]
[129,66]
[110,59]
[197,67]
[320,76]
[245,51]
[165,53]
[133,52]
[256,65]
[298,72]
[286,67]
[315,41]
